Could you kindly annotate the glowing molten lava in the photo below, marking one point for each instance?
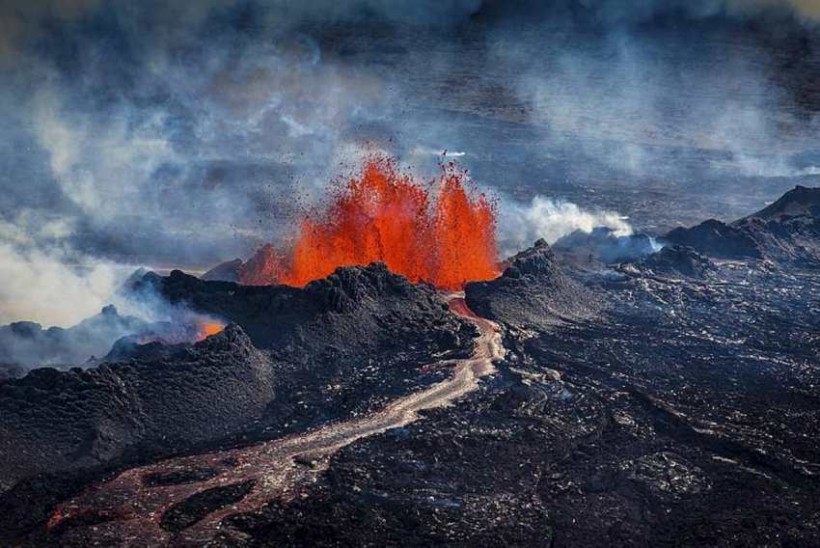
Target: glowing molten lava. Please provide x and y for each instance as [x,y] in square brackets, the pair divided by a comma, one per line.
[443,235]
[206,329]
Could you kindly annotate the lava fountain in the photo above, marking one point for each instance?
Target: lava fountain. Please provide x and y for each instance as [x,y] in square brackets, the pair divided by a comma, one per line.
[440,232]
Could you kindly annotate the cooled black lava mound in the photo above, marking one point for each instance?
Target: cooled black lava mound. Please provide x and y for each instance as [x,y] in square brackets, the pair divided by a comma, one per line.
[674,260]
[55,420]
[371,306]
[229,271]
[787,231]
[716,239]
[340,345]
[800,202]
[533,290]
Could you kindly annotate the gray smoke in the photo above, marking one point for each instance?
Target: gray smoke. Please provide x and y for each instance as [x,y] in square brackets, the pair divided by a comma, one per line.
[523,224]
[140,316]
[181,134]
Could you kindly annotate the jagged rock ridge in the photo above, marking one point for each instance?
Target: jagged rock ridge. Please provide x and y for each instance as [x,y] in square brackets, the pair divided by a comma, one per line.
[55,420]
[787,231]
[533,290]
[673,260]
[370,305]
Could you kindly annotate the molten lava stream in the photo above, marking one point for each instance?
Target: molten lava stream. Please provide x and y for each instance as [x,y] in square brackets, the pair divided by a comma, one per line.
[445,237]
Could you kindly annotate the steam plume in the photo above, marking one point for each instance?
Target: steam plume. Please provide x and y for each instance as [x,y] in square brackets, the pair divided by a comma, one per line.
[523,224]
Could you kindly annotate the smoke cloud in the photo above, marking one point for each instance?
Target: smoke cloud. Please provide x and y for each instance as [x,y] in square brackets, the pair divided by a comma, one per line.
[45,281]
[523,224]
[183,134]
[44,287]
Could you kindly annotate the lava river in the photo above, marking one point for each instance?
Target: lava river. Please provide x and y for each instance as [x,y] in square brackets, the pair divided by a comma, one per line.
[130,509]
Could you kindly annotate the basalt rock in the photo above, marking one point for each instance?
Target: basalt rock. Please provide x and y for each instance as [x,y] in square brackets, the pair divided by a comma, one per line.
[786,232]
[369,305]
[675,260]
[716,239]
[801,201]
[533,290]
[60,420]
[229,271]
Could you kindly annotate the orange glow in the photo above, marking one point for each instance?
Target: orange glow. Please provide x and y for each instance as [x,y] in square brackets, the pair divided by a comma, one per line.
[206,329]
[444,235]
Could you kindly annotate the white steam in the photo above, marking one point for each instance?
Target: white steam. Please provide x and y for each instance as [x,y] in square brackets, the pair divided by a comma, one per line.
[522,224]
[42,279]
[41,286]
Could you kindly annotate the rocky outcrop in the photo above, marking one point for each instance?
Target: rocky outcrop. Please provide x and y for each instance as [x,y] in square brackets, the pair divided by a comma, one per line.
[786,232]
[801,201]
[369,305]
[229,271]
[58,420]
[533,290]
[716,239]
[675,261]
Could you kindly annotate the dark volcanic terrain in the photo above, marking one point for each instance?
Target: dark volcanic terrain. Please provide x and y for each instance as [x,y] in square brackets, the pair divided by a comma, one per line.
[669,400]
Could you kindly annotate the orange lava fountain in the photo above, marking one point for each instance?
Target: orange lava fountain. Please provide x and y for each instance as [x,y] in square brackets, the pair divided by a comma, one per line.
[444,235]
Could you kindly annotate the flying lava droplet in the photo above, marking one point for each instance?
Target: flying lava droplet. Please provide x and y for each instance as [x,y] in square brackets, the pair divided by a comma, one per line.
[439,232]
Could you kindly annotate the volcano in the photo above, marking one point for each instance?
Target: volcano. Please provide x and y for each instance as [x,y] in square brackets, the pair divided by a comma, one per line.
[632,404]
[382,273]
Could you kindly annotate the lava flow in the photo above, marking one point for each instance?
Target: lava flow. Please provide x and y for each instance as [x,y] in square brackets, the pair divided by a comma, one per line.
[440,233]
[130,506]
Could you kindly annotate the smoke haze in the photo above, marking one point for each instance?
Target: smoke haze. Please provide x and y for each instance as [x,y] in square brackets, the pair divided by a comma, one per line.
[523,224]
[183,134]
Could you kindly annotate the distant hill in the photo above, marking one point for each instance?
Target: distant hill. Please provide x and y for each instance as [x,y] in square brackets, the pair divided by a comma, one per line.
[787,231]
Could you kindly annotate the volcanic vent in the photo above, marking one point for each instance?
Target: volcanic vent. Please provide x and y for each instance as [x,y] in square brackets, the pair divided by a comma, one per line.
[441,232]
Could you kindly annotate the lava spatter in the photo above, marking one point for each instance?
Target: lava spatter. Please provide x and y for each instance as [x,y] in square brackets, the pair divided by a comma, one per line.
[440,233]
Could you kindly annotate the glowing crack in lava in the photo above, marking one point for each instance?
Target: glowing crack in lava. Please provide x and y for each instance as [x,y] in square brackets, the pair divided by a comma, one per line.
[206,329]
[177,332]
[438,232]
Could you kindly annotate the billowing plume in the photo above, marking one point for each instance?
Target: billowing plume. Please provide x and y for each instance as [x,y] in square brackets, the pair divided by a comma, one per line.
[43,280]
[522,224]
[45,287]
[141,316]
